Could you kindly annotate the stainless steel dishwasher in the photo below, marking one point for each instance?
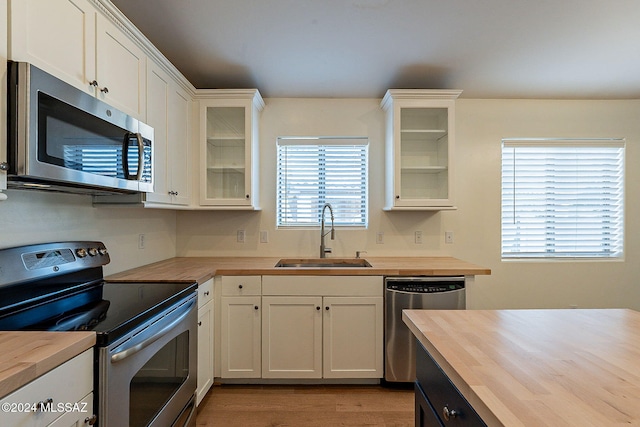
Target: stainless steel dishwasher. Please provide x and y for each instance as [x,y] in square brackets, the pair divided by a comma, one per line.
[425,292]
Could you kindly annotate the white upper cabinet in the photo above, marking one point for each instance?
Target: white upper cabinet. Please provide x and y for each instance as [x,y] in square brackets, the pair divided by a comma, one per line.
[419,151]
[229,148]
[168,112]
[120,69]
[74,41]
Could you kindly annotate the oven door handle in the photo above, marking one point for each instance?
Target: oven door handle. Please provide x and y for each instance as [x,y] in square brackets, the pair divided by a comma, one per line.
[130,351]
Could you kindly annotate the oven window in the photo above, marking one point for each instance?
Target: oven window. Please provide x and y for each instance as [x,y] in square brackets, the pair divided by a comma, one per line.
[158,380]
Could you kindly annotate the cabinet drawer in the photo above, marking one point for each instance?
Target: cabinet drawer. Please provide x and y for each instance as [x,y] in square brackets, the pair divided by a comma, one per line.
[241,285]
[350,286]
[68,383]
[205,292]
[441,393]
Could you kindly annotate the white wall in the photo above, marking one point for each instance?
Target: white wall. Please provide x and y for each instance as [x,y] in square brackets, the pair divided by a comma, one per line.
[480,126]
[32,217]
[214,233]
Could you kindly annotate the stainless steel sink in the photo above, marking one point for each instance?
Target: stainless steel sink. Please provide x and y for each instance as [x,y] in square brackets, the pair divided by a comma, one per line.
[323,263]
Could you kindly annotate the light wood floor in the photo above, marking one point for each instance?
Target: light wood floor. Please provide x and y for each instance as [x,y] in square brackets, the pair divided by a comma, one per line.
[306,406]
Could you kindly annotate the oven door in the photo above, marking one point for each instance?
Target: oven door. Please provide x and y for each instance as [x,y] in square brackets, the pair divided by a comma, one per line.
[148,378]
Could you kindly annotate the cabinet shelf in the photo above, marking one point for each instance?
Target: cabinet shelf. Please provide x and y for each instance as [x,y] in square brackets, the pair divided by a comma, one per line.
[424,169]
[226,169]
[225,140]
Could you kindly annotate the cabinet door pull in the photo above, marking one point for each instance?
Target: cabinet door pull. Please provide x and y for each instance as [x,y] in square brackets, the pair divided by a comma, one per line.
[91,420]
[45,405]
[206,293]
[239,286]
[104,90]
[255,307]
[449,414]
[327,308]
[318,308]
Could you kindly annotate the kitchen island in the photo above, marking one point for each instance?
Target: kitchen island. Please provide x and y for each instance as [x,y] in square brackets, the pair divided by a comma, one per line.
[538,367]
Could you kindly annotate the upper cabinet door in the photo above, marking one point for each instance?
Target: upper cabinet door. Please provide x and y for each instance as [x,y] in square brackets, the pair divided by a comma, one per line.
[57,36]
[229,149]
[75,42]
[178,145]
[120,69]
[419,149]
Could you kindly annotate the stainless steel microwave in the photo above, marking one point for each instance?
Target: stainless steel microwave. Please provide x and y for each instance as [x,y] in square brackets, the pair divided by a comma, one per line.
[63,139]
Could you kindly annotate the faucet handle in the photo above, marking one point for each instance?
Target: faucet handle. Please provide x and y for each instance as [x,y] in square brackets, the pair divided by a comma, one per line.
[360,252]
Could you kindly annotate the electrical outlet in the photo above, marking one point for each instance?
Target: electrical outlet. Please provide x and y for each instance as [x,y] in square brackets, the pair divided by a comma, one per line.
[240,236]
[264,236]
[448,237]
[380,237]
[418,237]
[141,241]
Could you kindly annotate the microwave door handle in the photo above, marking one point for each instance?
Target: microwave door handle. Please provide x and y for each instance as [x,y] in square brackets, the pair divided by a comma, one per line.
[125,155]
[140,156]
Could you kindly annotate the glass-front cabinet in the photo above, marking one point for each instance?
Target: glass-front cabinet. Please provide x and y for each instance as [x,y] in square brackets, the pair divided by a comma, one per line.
[229,148]
[419,148]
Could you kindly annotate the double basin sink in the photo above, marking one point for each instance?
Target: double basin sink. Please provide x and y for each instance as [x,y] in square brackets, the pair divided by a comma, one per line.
[323,263]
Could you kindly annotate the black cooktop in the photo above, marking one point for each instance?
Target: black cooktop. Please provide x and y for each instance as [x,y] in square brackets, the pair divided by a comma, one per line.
[60,287]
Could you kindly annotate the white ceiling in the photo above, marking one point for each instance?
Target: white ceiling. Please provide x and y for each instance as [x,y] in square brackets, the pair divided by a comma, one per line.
[576,49]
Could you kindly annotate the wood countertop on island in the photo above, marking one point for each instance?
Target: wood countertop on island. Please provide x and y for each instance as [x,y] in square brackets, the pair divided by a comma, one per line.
[200,269]
[537,368]
[26,355]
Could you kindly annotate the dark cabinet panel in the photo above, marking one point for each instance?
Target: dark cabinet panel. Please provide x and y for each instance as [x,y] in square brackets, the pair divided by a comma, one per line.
[444,399]
[425,415]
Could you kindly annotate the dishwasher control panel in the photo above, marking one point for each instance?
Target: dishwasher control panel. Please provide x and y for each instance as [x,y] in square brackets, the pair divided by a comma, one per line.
[425,285]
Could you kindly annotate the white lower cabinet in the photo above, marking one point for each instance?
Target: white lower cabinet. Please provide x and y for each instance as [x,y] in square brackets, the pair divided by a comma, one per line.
[205,339]
[352,329]
[291,337]
[301,327]
[240,341]
[66,393]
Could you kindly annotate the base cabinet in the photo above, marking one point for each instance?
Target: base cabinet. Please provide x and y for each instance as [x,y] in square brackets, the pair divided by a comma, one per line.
[438,401]
[69,385]
[322,334]
[321,337]
[240,327]
[352,330]
[292,337]
[205,339]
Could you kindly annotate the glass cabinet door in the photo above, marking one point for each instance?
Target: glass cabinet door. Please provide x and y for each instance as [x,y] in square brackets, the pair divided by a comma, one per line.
[419,148]
[424,154]
[225,152]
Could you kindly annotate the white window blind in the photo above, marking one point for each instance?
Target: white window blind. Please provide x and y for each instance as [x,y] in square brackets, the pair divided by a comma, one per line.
[315,171]
[562,198]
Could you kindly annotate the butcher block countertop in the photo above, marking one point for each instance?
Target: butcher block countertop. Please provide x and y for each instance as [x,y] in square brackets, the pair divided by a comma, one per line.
[539,367]
[201,269]
[26,355]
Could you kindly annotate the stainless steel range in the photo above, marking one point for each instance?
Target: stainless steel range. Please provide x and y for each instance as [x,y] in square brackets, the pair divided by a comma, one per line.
[145,356]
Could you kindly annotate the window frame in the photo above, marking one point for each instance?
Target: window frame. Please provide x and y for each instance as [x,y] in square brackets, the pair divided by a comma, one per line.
[618,208]
[324,196]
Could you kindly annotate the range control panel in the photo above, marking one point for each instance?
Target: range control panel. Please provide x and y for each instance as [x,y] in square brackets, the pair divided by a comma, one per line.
[31,262]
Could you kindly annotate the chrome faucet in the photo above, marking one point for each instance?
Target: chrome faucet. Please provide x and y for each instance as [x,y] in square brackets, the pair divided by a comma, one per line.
[324,250]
